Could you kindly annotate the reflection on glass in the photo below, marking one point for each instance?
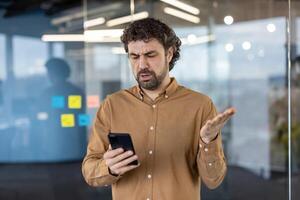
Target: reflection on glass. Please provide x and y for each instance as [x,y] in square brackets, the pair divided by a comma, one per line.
[58,50]
[2,58]
[295,125]
[60,106]
[2,67]
[29,62]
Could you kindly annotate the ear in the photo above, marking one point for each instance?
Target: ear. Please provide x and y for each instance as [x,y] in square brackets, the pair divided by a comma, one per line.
[170,53]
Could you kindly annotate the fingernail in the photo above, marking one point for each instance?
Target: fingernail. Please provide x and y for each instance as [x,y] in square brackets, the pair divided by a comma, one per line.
[129,152]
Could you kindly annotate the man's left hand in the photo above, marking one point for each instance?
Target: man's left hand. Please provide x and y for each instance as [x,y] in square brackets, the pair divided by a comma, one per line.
[212,127]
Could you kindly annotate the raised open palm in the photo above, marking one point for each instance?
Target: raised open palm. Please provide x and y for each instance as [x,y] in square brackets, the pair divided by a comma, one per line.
[211,128]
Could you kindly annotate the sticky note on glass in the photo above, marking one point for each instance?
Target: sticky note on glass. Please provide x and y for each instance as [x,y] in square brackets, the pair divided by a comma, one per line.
[58,102]
[93,101]
[84,120]
[74,101]
[67,120]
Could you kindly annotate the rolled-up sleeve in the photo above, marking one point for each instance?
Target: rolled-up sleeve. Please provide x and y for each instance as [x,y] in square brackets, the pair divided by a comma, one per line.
[210,157]
[94,169]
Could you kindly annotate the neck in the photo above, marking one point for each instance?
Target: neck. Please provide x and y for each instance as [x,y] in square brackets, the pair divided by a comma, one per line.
[154,93]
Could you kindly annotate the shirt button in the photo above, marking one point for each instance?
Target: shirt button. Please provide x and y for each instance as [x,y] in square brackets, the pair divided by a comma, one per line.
[200,145]
[149,176]
[154,106]
[150,152]
[151,127]
[166,96]
[206,149]
[148,199]
[210,164]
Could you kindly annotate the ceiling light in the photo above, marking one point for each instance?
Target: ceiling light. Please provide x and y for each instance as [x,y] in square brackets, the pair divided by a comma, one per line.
[104,33]
[63,38]
[229,47]
[228,20]
[246,45]
[126,19]
[193,39]
[118,50]
[271,28]
[108,35]
[183,6]
[182,15]
[93,22]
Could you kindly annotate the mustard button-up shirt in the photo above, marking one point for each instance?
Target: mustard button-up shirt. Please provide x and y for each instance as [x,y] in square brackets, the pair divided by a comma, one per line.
[165,133]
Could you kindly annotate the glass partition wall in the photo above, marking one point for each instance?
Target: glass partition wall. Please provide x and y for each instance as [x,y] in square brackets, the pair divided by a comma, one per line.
[294,100]
[240,53]
[234,51]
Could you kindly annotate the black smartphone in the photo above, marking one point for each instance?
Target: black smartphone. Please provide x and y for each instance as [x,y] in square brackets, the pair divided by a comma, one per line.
[122,140]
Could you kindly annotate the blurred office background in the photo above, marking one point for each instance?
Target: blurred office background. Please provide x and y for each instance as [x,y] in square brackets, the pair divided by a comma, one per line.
[60,58]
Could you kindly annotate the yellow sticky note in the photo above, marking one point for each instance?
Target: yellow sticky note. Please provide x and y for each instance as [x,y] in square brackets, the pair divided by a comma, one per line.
[67,120]
[74,101]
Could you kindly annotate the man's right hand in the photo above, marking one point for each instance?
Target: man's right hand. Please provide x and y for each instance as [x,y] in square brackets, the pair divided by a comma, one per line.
[117,161]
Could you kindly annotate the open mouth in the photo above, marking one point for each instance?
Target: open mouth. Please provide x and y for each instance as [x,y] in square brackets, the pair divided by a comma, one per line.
[145,76]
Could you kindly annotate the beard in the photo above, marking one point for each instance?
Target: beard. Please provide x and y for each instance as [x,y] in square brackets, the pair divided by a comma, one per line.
[148,80]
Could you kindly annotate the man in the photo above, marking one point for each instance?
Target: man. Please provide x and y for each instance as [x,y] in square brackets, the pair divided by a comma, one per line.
[175,131]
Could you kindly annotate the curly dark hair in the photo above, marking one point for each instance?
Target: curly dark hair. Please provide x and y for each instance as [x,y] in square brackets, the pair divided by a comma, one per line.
[149,28]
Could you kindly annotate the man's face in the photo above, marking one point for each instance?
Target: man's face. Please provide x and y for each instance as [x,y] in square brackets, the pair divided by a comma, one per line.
[150,62]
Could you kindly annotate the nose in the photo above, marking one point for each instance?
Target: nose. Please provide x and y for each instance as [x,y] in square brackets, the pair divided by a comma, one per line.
[142,62]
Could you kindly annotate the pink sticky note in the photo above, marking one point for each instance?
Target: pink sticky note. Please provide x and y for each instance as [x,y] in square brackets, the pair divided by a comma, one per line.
[93,101]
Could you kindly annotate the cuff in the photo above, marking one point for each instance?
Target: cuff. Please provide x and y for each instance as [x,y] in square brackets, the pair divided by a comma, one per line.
[116,175]
[211,158]
[103,175]
[106,172]
[211,151]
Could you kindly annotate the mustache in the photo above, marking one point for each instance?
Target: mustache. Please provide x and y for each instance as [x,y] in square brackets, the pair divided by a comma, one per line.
[145,71]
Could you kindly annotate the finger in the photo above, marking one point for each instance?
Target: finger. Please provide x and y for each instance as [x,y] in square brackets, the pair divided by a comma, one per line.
[125,162]
[216,120]
[213,125]
[227,116]
[223,118]
[222,124]
[119,158]
[216,125]
[112,153]
[125,169]
[230,111]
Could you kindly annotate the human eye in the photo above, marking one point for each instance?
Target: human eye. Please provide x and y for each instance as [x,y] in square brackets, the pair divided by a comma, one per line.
[134,57]
[151,55]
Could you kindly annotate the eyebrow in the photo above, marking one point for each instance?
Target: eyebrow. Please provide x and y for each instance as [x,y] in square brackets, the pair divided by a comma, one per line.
[147,53]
